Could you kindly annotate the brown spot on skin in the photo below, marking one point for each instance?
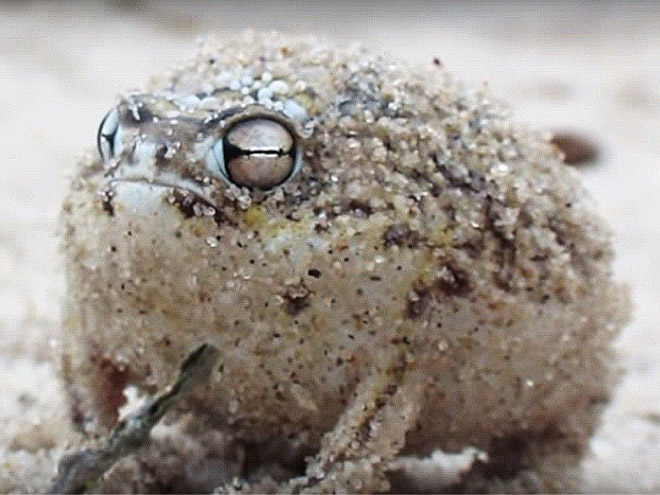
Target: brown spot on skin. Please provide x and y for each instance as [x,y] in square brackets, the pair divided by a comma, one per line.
[77,414]
[111,381]
[577,149]
[191,206]
[204,296]
[355,207]
[358,208]
[401,234]
[106,202]
[418,300]
[398,339]
[296,298]
[453,281]
[319,228]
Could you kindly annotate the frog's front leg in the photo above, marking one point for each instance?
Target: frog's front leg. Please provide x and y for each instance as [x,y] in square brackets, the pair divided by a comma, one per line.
[355,455]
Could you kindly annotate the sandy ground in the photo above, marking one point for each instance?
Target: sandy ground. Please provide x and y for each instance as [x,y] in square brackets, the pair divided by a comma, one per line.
[594,68]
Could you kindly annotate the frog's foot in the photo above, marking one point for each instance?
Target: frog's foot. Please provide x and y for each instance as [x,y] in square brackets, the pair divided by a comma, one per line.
[355,455]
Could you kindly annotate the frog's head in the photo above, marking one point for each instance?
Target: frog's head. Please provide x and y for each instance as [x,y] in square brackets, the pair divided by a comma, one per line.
[301,131]
[200,143]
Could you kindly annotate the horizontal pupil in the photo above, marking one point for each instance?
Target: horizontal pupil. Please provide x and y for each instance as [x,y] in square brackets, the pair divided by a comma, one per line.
[231,151]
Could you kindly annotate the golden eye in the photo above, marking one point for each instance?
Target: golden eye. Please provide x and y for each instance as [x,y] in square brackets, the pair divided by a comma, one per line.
[257,153]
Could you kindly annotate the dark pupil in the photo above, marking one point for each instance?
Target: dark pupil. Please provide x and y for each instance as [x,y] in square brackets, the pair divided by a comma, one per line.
[232,151]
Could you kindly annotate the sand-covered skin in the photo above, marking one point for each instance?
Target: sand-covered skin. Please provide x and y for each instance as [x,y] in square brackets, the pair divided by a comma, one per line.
[427,252]
[563,86]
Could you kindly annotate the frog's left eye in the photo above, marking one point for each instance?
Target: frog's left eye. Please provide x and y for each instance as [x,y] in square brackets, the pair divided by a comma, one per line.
[108,135]
[257,153]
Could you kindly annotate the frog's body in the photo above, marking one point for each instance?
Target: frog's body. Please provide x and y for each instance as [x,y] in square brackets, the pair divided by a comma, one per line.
[428,257]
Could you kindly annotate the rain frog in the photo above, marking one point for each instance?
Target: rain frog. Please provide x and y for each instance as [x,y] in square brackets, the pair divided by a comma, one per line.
[389,266]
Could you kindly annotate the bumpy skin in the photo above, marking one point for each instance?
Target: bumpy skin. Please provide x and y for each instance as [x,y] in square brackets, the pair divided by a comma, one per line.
[432,278]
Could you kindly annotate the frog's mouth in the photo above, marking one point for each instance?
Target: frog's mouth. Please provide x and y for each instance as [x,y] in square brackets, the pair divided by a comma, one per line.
[149,196]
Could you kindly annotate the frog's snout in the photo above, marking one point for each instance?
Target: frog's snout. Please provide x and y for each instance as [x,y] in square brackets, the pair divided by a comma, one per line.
[140,198]
[135,197]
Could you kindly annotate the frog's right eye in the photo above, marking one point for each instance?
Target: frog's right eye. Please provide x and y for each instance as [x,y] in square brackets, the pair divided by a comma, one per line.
[108,136]
[256,152]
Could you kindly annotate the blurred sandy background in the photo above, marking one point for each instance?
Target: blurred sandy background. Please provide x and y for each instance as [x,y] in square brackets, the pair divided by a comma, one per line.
[593,68]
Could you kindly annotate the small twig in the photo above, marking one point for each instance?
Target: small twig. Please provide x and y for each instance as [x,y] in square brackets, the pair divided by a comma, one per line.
[78,471]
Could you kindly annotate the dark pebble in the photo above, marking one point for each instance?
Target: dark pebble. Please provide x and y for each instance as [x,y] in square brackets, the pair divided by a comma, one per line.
[577,149]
